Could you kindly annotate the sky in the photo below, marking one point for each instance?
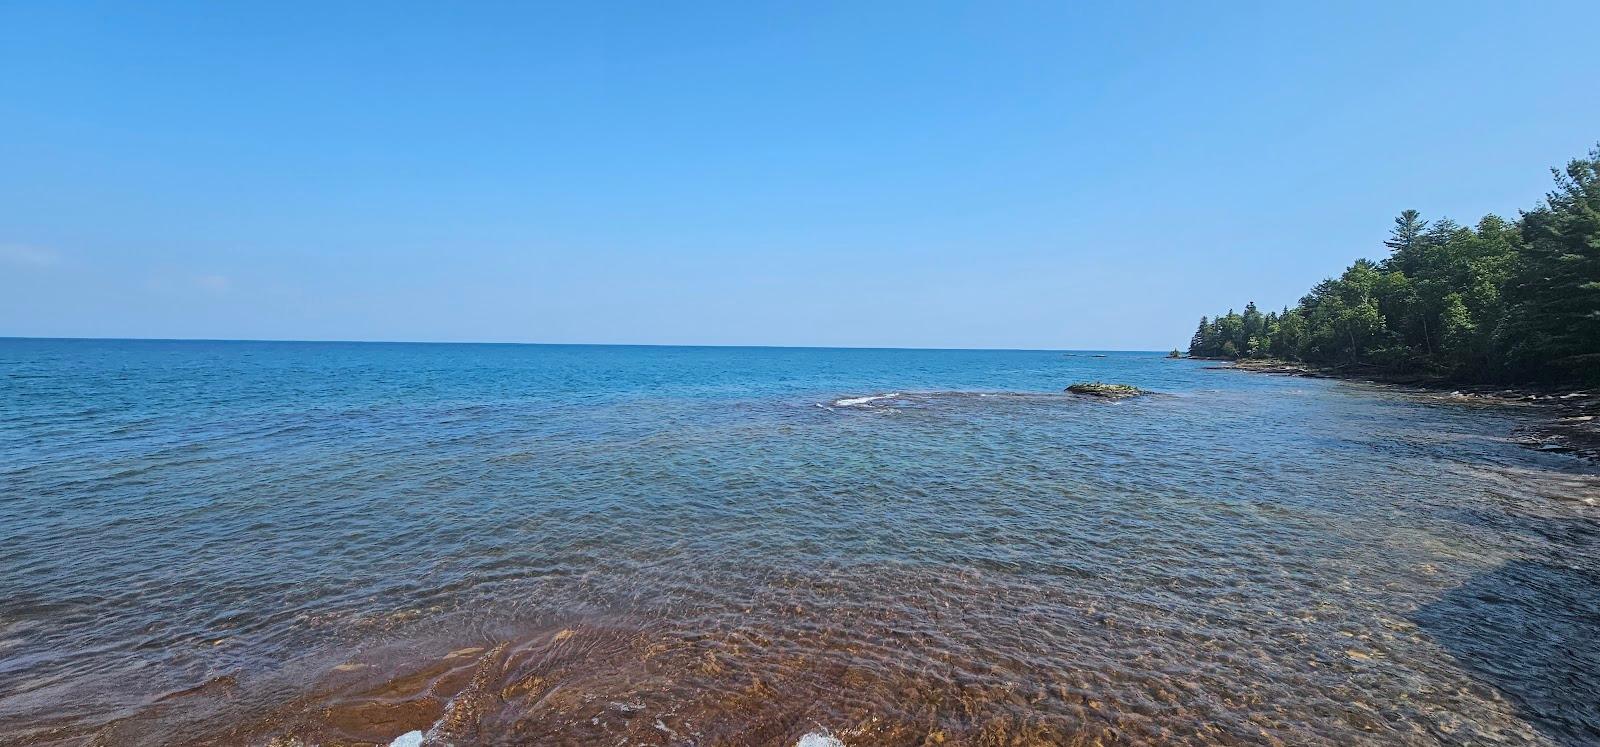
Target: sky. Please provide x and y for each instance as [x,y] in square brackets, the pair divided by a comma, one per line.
[919,174]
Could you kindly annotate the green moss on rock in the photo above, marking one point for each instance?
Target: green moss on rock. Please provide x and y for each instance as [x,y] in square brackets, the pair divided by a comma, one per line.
[1110,391]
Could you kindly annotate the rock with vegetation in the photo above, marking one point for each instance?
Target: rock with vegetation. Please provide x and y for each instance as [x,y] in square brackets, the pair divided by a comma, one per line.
[1109,391]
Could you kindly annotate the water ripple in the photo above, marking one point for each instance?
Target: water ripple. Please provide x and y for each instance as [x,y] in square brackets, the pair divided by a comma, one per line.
[237,542]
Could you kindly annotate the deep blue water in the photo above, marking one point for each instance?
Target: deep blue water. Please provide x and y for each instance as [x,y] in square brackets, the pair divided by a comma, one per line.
[1236,558]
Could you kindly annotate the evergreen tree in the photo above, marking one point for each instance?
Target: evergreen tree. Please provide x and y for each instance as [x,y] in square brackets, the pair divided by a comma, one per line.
[1197,344]
[1499,300]
[1552,328]
[1405,239]
[1251,324]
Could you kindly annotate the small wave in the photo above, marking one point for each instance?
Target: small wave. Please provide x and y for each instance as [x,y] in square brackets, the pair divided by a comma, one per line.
[862,401]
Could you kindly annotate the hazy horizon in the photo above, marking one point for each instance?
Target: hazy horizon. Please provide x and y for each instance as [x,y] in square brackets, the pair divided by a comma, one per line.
[926,177]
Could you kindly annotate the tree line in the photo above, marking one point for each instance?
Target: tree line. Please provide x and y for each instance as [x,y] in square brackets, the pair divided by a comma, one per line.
[1497,301]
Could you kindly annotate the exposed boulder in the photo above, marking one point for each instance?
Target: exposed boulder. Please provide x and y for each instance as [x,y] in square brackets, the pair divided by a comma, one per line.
[1109,391]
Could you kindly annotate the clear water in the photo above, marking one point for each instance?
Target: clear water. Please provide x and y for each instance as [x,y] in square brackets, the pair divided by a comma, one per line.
[235,542]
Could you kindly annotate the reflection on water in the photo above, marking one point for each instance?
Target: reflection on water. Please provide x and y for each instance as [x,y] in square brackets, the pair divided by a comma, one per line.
[264,543]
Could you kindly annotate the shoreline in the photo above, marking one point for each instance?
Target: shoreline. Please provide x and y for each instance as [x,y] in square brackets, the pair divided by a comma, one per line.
[1569,416]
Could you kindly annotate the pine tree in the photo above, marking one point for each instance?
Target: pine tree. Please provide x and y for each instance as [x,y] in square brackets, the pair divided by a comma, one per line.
[1552,328]
[1405,239]
[1197,344]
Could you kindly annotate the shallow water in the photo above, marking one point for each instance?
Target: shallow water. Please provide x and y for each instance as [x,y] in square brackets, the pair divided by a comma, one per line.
[207,542]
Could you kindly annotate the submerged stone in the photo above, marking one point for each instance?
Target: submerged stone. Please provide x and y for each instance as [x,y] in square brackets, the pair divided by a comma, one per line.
[819,739]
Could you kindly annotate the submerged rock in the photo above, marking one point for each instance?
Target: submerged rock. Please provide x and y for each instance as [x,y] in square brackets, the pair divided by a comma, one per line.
[819,739]
[1109,391]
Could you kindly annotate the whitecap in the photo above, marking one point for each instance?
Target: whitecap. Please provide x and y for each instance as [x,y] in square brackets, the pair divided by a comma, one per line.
[859,401]
[408,739]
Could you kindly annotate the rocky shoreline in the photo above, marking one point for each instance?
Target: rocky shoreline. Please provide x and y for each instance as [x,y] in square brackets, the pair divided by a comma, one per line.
[1569,416]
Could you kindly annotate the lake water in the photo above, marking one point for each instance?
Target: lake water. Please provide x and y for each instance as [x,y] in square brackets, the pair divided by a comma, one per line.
[254,543]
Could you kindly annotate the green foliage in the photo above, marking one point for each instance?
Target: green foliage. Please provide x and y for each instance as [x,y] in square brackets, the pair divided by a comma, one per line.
[1500,301]
[1552,323]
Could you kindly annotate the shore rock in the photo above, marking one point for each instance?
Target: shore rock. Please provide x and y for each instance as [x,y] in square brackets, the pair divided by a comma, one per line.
[1282,368]
[1570,419]
[1109,391]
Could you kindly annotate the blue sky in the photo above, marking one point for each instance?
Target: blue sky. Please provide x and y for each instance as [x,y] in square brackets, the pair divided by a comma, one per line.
[1047,175]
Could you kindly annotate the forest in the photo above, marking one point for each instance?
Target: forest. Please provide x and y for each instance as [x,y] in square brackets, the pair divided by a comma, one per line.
[1499,301]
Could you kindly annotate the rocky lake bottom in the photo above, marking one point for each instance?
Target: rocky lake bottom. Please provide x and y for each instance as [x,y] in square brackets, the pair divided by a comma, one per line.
[321,543]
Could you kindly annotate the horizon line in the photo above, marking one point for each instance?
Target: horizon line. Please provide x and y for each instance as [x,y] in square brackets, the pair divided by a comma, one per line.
[564,344]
